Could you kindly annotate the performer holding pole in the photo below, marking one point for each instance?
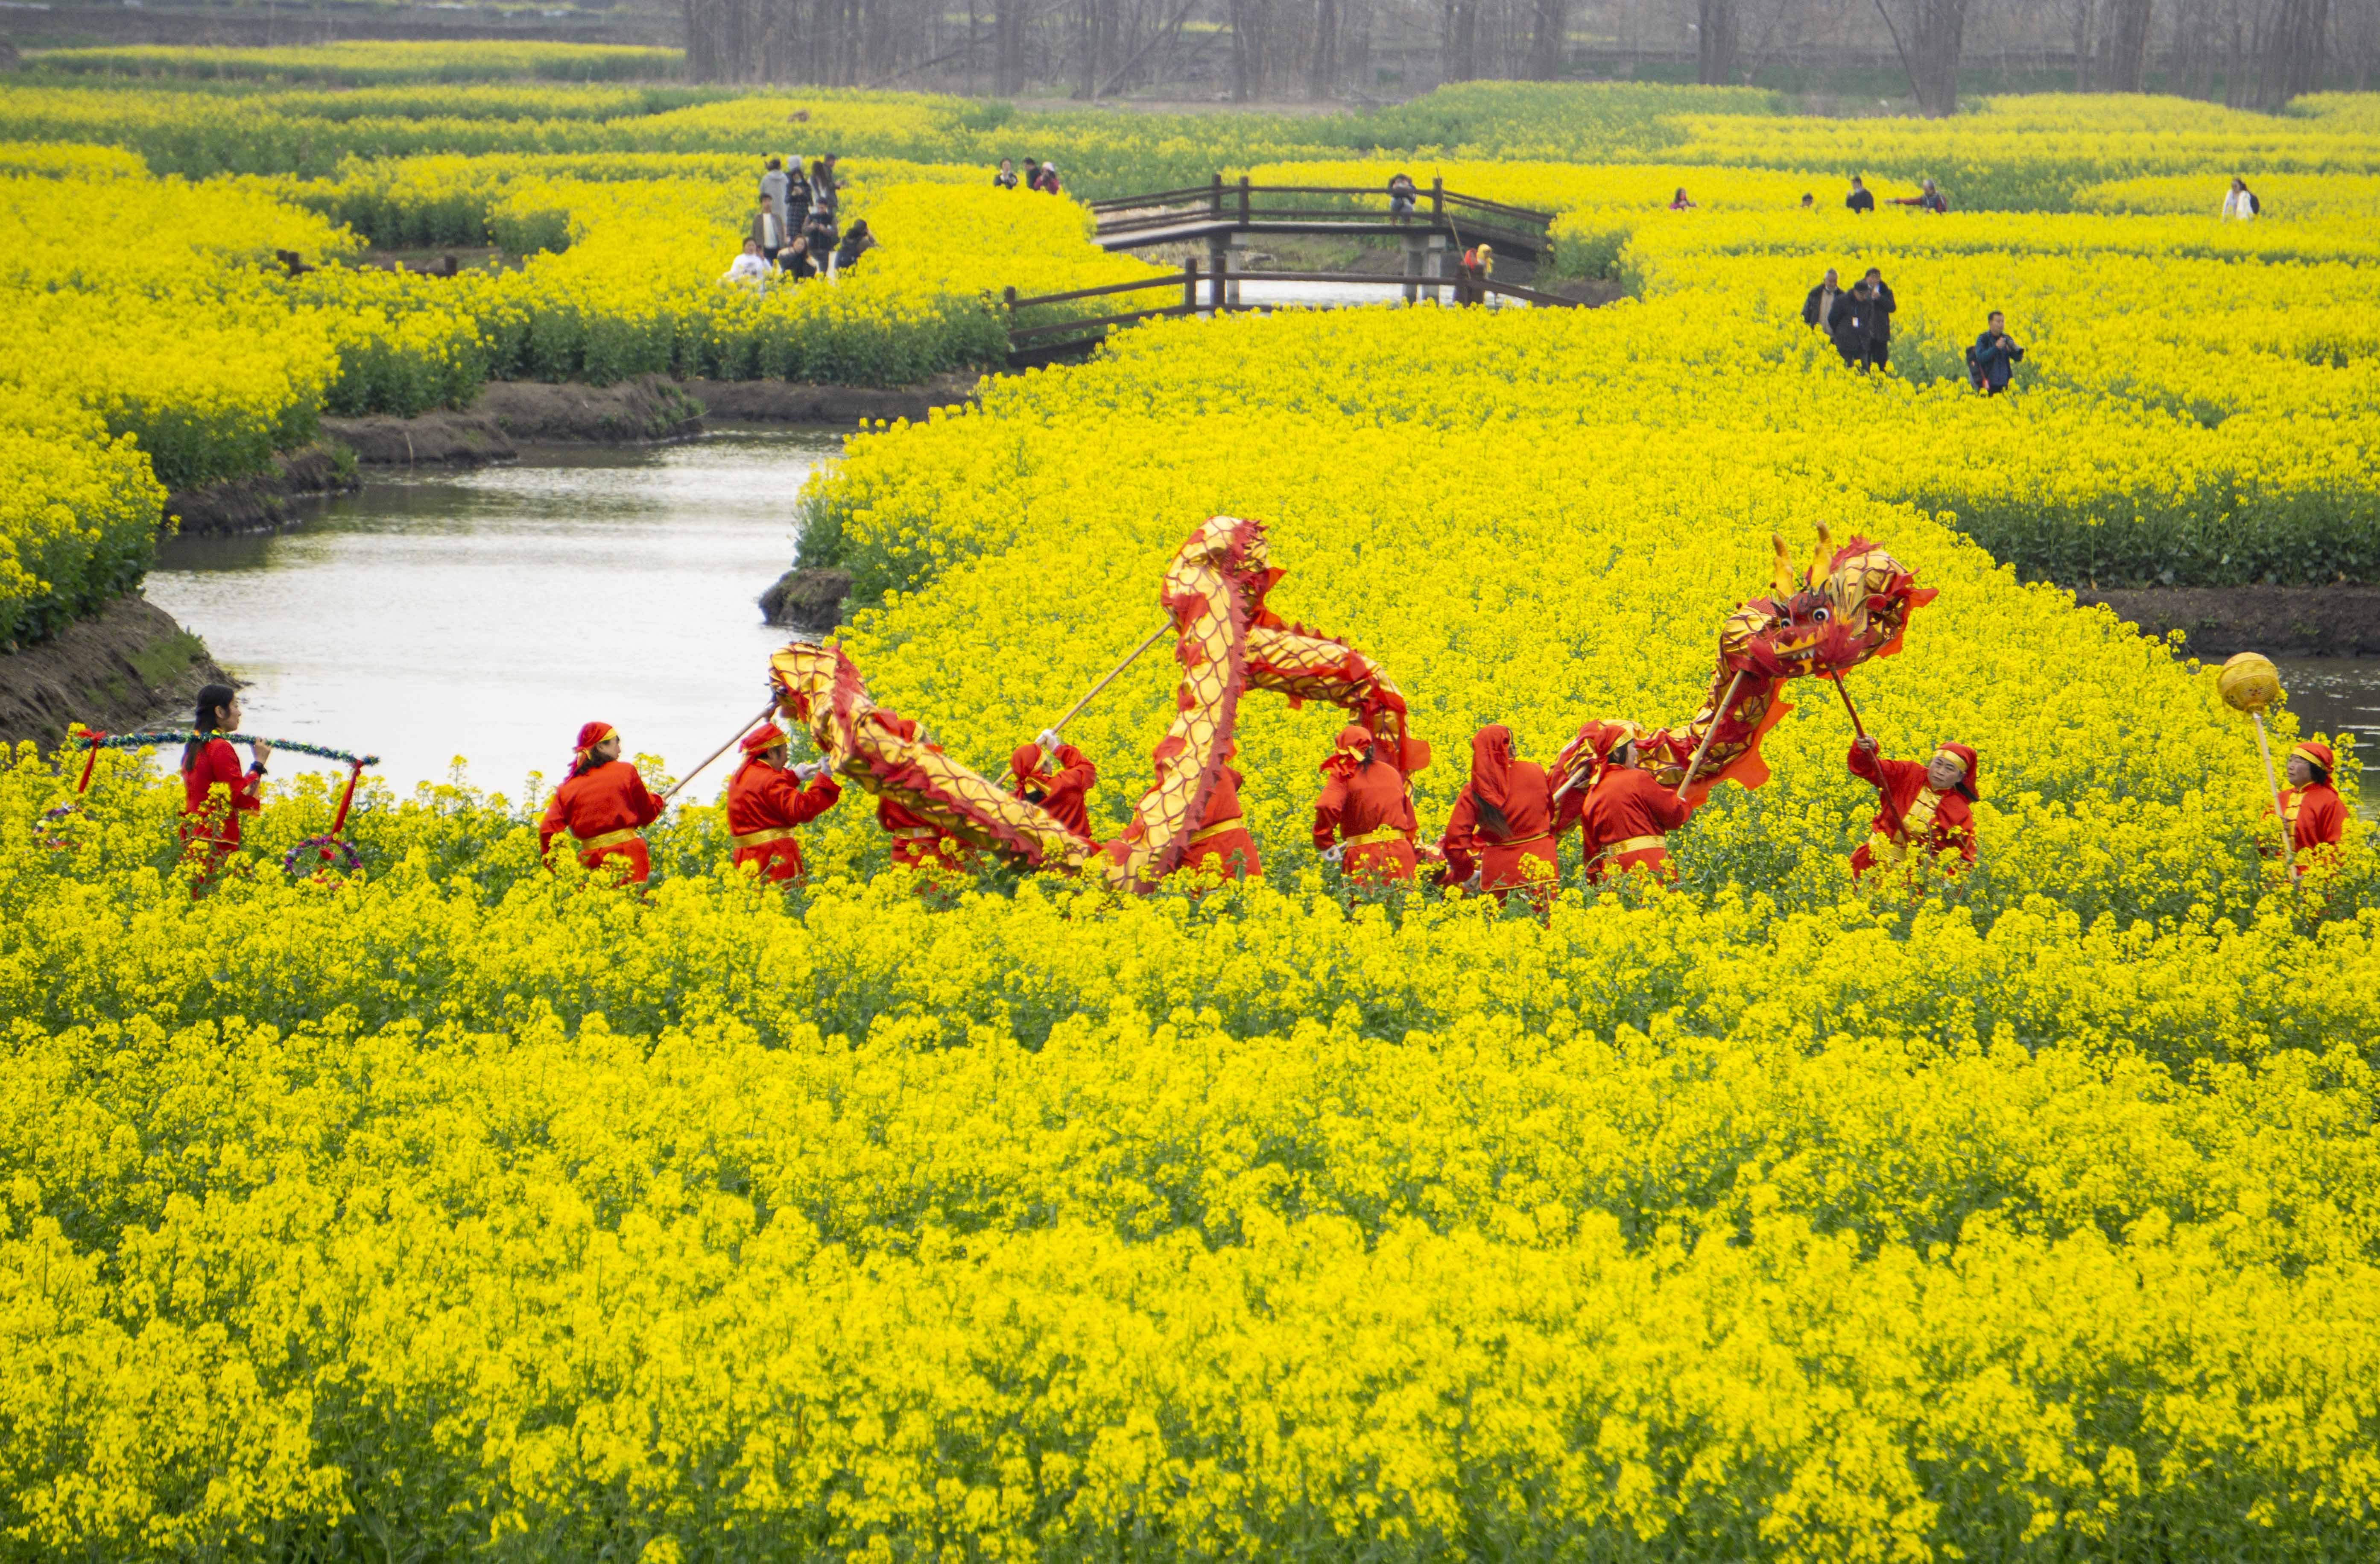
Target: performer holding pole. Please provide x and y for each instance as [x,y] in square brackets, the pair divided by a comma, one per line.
[603,806]
[2250,683]
[766,799]
[1058,777]
[1926,806]
[1363,821]
[1627,816]
[215,792]
[2310,806]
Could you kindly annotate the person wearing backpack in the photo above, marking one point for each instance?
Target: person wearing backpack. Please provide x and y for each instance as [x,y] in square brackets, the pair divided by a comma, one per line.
[2239,202]
[1993,356]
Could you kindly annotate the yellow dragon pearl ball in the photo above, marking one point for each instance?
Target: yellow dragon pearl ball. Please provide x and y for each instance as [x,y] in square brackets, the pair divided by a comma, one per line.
[2248,682]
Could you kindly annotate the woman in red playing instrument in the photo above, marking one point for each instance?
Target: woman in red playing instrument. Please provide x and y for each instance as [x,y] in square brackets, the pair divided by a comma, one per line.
[603,806]
[215,791]
[766,799]
[1365,818]
[1502,829]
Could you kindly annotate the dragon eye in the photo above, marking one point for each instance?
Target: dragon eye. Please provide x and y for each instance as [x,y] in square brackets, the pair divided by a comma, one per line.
[1820,615]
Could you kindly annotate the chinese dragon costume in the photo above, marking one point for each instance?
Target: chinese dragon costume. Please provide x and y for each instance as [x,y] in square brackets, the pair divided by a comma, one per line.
[1850,605]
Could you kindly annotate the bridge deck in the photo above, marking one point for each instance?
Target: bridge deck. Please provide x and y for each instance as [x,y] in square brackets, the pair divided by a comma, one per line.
[1192,230]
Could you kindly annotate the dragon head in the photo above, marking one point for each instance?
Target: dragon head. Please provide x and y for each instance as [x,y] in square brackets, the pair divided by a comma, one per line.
[1847,606]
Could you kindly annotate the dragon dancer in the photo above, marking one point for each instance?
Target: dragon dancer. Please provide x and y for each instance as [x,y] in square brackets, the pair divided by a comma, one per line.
[1222,845]
[1501,833]
[603,806]
[918,843]
[766,799]
[1928,804]
[2312,807]
[1625,816]
[1061,792]
[1363,821]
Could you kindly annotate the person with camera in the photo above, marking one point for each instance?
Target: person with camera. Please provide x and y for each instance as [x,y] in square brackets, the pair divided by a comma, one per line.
[1873,303]
[1993,358]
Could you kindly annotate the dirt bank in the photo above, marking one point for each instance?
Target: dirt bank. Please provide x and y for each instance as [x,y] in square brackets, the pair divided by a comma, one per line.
[125,666]
[2324,621]
[785,401]
[807,599]
[264,501]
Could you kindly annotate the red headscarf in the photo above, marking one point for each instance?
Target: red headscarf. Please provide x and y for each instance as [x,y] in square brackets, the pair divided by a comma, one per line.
[1966,783]
[1351,748]
[2318,754]
[1025,763]
[762,739]
[1491,762]
[591,734]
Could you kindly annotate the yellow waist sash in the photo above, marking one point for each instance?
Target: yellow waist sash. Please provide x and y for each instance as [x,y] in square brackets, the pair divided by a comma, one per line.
[762,838]
[1374,839]
[608,839]
[1216,829]
[1633,844]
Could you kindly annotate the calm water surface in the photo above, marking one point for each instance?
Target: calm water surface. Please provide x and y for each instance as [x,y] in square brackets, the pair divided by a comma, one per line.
[487,614]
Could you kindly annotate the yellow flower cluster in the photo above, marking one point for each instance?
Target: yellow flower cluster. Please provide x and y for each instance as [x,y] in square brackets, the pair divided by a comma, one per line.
[358,63]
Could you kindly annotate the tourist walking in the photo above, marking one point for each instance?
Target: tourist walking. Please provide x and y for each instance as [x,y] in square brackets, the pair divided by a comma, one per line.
[2239,202]
[1006,178]
[603,806]
[824,190]
[1876,309]
[215,790]
[1993,356]
[1499,835]
[1363,821]
[1927,805]
[1818,309]
[777,193]
[856,243]
[1927,199]
[766,799]
[1862,199]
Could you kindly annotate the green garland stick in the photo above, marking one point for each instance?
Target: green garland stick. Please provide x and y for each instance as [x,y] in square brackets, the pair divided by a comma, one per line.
[159,740]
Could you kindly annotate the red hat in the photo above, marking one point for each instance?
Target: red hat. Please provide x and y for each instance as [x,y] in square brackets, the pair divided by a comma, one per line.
[2318,753]
[1966,783]
[1025,761]
[592,734]
[763,738]
[1353,737]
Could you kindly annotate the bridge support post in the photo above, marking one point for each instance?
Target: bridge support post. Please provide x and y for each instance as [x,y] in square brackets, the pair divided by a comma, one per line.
[1218,259]
[1235,261]
[1425,258]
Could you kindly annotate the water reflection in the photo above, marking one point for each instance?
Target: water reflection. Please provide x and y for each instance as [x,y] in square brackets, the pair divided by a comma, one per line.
[489,612]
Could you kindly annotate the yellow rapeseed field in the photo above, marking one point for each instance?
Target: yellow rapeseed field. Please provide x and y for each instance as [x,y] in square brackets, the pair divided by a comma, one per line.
[462,1208]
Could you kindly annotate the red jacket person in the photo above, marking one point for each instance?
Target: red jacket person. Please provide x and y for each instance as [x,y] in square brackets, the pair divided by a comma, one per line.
[1502,822]
[603,806]
[1627,816]
[2316,816]
[1221,844]
[215,791]
[766,799]
[1926,804]
[1366,811]
[1060,791]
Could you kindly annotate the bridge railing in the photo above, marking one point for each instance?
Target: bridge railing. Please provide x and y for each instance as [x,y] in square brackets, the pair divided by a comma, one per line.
[1246,202]
[1048,341]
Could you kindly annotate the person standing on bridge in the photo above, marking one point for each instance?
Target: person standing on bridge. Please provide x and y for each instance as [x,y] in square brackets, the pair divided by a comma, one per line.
[1478,266]
[603,806]
[1402,194]
[766,799]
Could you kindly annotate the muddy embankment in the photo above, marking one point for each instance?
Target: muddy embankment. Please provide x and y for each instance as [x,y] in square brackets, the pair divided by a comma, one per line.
[124,668]
[2287,621]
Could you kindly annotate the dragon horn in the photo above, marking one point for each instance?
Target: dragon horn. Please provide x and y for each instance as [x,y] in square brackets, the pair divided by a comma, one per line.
[1780,574]
[1823,557]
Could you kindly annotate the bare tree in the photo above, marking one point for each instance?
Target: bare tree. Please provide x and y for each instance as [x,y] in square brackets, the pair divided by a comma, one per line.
[1930,52]
[1549,31]
[1714,43]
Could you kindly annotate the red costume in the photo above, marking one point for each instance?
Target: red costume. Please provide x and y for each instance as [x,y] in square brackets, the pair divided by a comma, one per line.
[2316,816]
[213,817]
[1519,852]
[916,841]
[1915,809]
[1221,844]
[603,805]
[764,804]
[1365,809]
[1059,792]
[1625,823]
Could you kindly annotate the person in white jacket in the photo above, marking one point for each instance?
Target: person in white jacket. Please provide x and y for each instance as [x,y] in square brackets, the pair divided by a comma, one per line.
[748,270]
[2240,201]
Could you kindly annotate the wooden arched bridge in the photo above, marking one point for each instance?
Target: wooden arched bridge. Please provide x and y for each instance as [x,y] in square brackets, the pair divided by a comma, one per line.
[1433,226]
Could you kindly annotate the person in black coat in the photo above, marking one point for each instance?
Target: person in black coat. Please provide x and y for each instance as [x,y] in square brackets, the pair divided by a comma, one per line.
[1848,329]
[1818,309]
[1861,199]
[1876,316]
[1993,358]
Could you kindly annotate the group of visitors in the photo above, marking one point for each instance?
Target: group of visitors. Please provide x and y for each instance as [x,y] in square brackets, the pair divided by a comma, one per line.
[795,234]
[1042,177]
[1861,199]
[1859,323]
